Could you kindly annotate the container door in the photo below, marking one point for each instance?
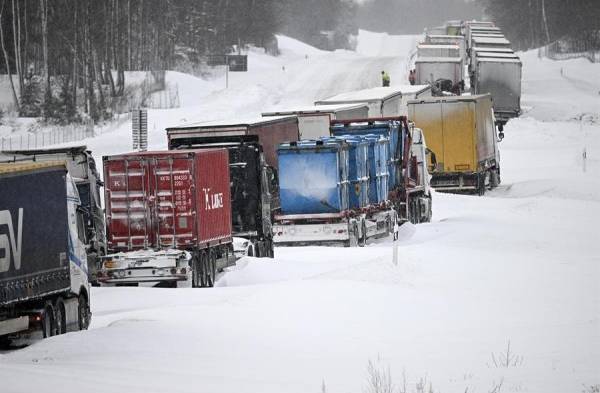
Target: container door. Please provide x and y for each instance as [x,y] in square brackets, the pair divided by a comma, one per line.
[344,160]
[458,135]
[353,177]
[172,207]
[128,214]
[428,117]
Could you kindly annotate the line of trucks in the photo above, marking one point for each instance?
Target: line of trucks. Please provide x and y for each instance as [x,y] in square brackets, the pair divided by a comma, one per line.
[474,54]
[343,171]
[172,217]
[476,78]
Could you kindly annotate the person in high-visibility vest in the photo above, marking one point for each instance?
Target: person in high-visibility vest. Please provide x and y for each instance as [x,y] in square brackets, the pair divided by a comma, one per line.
[385,78]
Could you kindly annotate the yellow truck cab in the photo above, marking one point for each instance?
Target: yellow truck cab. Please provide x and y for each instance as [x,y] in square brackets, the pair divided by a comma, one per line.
[461,133]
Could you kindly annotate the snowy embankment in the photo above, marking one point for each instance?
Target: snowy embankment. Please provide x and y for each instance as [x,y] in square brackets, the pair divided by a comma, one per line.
[520,265]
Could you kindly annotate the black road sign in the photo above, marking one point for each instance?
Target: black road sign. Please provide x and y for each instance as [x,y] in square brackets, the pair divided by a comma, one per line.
[237,63]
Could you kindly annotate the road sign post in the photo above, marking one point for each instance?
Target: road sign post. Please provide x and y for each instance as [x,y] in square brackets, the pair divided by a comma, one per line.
[139,129]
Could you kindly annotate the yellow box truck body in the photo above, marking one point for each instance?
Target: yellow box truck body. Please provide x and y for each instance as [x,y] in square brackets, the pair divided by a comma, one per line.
[460,131]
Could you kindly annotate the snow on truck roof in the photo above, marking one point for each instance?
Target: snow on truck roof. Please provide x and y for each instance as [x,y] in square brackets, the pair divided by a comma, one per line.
[315,109]
[491,49]
[466,98]
[435,46]
[484,28]
[490,40]
[6,168]
[229,123]
[498,60]
[457,59]
[446,36]
[503,55]
[374,94]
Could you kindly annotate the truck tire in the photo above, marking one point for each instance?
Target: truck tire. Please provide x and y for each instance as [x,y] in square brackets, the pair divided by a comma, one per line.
[48,325]
[481,184]
[352,236]
[429,209]
[60,316]
[195,271]
[211,268]
[270,248]
[203,268]
[363,237]
[494,179]
[5,343]
[83,312]
[260,253]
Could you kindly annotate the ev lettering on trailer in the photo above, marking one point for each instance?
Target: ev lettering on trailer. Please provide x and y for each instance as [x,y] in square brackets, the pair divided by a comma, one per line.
[9,242]
[212,201]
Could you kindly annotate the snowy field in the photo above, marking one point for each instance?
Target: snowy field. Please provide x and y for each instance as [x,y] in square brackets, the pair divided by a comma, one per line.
[497,294]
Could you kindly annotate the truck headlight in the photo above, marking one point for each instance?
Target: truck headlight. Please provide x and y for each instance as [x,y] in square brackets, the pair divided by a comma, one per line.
[110,264]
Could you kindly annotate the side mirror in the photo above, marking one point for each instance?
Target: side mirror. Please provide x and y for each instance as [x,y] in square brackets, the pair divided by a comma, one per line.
[432,159]
[500,132]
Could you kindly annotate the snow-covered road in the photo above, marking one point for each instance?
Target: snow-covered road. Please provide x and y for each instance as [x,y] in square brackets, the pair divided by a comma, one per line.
[520,265]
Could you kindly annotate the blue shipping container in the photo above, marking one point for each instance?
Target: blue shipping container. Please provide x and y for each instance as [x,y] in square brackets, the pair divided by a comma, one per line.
[389,129]
[378,168]
[358,174]
[313,177]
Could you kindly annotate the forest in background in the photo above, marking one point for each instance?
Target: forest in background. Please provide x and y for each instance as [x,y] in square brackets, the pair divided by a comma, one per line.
[69,57]
[534,23]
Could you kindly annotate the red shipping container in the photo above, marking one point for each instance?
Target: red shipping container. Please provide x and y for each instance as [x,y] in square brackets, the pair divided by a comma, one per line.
[167,199]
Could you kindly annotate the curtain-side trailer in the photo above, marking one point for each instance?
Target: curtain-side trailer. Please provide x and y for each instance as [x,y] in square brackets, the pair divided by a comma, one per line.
[44,287]
[460,131]
[382,101]
[313,121]
[501,77]
[82,169]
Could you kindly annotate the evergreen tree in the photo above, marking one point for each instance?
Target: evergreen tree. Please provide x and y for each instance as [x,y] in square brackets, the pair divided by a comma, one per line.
[31,98]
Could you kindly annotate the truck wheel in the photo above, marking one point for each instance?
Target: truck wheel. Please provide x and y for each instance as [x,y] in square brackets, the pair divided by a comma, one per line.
[429,212]
[226,256]
[211,268]
[61,316]
[196,271]
[481,184]
[260,253]
[48,326]
[83,311]
[270,248]
[5,343]
[203,268]
[494,179]
[352,236]
[363,237]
